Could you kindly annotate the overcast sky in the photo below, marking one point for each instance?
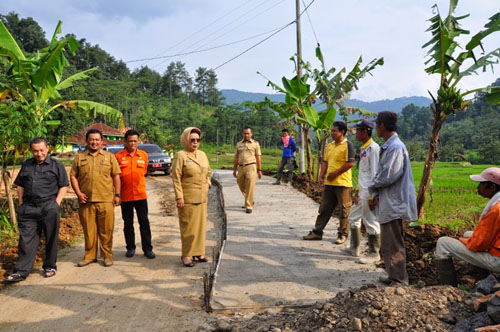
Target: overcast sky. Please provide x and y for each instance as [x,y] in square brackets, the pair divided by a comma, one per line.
[395,30]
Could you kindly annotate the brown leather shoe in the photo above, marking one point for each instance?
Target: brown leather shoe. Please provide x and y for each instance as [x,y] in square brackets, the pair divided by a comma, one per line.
[312,236]
[108,262]
[86,262]
[341,239]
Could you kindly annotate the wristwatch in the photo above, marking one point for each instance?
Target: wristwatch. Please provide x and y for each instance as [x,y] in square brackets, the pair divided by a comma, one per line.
[118,195]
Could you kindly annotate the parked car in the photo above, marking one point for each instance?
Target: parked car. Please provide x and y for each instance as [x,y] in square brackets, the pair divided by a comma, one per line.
[114,149]
[157,159]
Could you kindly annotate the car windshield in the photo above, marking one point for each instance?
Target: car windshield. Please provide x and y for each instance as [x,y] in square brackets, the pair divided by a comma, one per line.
[150,148]
[114,149]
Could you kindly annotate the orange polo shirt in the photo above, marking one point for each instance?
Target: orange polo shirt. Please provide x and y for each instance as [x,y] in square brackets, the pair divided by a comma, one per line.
[132,175]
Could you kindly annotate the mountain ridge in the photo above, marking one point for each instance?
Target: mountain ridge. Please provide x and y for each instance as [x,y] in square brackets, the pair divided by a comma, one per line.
[233,96]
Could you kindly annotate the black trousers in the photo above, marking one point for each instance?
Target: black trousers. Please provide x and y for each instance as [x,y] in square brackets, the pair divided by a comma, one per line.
[331,197]
[33,220]
[141,207]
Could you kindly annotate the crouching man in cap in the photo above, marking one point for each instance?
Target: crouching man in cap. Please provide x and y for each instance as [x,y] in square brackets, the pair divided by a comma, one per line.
[482,246]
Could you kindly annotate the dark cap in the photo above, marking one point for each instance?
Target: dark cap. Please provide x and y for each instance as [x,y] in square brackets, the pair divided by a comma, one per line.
[364,124]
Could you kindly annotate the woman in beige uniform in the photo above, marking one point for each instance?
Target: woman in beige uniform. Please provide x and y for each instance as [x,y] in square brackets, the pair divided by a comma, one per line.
[191,175]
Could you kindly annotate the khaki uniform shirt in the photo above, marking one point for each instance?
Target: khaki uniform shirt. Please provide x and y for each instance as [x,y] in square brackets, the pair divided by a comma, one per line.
[191,175]
[94,174]
[247,150]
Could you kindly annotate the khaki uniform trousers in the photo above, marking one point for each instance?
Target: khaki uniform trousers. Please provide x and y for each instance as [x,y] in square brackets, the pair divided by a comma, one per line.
[97,220]
[247,176]
[193,225]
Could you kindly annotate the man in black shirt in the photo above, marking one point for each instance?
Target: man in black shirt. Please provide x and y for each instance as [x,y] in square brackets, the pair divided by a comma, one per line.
[41,186]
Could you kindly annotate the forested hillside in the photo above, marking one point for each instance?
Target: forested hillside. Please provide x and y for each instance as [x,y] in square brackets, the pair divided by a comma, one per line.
[161,105]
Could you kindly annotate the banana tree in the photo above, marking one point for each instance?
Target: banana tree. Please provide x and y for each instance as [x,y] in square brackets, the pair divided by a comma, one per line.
[333,89]
[453,62]
[33,84]
[298,98]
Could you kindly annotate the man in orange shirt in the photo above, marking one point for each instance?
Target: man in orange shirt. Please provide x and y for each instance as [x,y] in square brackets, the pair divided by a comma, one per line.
[482,247]
[134,166]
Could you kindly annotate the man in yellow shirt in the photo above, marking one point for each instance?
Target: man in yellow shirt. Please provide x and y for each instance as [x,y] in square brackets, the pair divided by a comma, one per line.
[336,165]
[247,166]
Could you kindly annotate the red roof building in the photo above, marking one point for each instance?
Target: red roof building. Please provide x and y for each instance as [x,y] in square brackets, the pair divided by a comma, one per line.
[111,136]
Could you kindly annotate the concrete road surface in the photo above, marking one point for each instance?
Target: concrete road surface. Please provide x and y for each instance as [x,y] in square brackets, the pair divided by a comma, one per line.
[266,263]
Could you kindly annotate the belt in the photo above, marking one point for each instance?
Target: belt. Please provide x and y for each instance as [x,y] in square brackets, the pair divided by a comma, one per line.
[243,165]
[38,201]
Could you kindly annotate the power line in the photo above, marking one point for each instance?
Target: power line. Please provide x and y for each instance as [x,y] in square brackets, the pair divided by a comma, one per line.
[202,50]
[310,22]
[204,27]
[260,42]
[216,31]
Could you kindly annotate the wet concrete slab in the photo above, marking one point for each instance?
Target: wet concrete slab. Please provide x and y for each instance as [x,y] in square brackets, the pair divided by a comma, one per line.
[266,263]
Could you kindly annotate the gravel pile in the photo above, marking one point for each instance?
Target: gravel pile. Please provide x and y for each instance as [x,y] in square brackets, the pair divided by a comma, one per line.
[370,308]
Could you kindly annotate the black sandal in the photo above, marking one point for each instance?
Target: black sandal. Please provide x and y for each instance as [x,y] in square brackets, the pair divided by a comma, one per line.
[14,277]
[49,272]
[190,264]
[199,259]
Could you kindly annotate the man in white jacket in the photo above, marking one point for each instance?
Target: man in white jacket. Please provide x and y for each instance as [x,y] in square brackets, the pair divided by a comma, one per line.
[368,165]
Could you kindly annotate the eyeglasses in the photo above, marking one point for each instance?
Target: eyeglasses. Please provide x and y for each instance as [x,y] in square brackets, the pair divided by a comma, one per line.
[195,140]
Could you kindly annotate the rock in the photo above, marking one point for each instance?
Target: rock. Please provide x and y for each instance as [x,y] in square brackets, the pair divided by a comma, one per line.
[400,291]
[223,326]
[377,305]
[493,307]
[448,318]
[490,328]
[357,325]
[480,304]
[486,285]
[470,324]
[276,329]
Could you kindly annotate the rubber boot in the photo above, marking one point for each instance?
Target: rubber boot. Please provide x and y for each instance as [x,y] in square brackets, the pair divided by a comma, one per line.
[374,249]
[446,272]
[353,249]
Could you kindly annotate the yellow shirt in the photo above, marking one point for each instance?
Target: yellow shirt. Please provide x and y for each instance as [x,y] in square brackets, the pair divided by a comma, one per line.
[336,155]
[247,150]
[94,174]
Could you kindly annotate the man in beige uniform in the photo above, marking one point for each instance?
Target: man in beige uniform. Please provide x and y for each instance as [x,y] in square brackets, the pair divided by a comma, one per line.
[95,178]
[247,165]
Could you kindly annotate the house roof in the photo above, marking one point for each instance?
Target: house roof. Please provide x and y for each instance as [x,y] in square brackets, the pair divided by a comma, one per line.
[79,137]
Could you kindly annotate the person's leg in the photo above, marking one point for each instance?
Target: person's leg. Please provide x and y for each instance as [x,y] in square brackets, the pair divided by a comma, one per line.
[393,250]
[447,247]
[326,208]
[198,230]
[290,169]
[186,228]
[280,170]
[344,198]
[128,224]
[250,179]
[355,225]
[240,179]
[50,222]
[29,238]
[141,207]
[87,214]
[105,225]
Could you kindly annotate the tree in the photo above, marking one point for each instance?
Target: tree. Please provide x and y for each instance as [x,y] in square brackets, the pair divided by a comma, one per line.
[452,66]
[29,85]
[330,87]
[26,31]
[205,87]
[176,81]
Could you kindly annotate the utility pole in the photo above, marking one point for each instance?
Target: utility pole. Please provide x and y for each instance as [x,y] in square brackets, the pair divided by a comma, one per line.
[299,75]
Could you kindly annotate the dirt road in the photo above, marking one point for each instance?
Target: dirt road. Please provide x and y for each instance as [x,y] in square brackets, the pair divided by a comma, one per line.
[134,294]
